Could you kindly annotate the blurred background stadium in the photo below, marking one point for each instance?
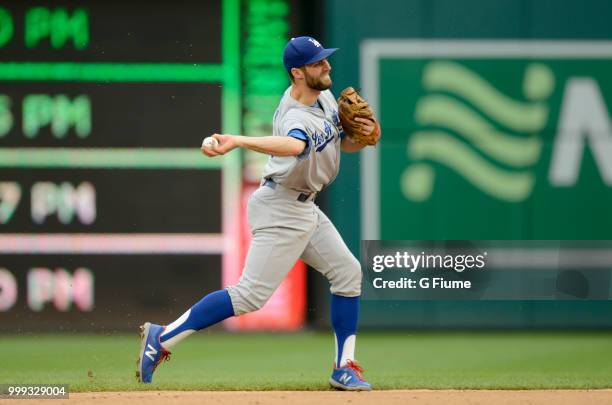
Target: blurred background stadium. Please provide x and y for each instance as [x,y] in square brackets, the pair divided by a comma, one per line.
[496,126]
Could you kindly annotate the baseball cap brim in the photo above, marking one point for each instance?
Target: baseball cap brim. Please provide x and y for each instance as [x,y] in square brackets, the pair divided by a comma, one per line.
[321,55]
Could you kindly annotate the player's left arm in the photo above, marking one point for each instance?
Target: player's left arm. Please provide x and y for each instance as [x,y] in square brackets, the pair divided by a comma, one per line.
[367,127]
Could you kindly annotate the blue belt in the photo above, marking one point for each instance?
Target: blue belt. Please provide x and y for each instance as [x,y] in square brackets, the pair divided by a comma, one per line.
[302,197]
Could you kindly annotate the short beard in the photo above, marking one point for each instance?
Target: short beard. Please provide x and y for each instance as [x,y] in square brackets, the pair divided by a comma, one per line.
[316,83]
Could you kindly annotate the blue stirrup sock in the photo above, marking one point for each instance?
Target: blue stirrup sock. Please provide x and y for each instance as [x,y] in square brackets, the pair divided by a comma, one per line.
[344,316]
[211,309]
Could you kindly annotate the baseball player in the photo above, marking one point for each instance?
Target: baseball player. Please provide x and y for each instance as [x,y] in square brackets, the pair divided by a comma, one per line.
[286,225]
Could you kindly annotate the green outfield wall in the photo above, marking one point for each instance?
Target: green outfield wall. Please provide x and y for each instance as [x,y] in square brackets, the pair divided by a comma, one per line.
[496,125]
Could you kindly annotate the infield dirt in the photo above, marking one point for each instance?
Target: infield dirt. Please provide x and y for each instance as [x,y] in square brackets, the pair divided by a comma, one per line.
[391,397]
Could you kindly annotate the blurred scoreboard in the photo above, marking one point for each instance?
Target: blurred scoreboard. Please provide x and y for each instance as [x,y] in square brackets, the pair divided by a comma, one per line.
[109,214]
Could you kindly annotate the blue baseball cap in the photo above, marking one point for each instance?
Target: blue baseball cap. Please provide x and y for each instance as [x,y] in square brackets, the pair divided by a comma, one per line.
[302,51]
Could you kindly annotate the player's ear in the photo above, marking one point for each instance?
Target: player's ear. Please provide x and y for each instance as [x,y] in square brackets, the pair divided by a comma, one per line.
[297,73]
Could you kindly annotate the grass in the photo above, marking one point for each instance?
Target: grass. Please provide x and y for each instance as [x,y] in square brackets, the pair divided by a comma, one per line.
[221,361]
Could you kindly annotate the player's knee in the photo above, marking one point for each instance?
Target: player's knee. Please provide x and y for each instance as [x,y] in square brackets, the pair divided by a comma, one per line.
[355,276]
[253,304]
[244,300]
[347,281]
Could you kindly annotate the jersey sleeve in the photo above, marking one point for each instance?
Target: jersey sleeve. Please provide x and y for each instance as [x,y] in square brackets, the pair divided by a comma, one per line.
[292,121]
[299,134]
[294,127]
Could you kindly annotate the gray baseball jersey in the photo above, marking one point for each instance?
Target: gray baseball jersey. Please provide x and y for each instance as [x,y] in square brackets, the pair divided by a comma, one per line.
[286,228]
[318,165]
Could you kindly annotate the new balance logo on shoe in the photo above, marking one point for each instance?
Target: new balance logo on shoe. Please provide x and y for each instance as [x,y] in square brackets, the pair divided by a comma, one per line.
[345,378]
[151,352]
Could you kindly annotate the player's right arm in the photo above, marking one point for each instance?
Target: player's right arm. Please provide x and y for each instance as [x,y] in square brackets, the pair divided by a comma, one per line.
[270,145]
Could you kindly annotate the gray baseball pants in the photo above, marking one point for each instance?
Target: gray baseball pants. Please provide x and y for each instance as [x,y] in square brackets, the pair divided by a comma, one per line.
[285,230]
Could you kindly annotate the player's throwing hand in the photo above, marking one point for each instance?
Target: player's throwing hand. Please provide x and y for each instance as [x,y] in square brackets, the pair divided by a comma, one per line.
[225,143]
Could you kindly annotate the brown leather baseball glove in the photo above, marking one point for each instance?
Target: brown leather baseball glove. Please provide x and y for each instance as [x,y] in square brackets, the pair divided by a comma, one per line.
[350,106]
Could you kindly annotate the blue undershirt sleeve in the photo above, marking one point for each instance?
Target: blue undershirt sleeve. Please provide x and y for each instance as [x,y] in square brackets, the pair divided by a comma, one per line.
[299,134]
[302,136]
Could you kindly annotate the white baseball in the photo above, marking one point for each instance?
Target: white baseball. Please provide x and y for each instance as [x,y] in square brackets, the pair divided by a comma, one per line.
[210,142]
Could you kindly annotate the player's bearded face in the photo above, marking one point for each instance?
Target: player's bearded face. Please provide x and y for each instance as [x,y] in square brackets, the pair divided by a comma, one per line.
[317,75]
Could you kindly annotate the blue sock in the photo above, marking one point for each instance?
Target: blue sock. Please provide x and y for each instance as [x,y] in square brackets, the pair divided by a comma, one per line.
[344,316]
[211,309]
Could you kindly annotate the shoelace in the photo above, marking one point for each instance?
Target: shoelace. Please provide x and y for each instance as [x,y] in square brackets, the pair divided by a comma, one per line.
[164,356]
[357,368]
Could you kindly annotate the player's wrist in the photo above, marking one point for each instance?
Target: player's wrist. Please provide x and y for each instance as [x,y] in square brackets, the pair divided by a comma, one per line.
[238,141]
